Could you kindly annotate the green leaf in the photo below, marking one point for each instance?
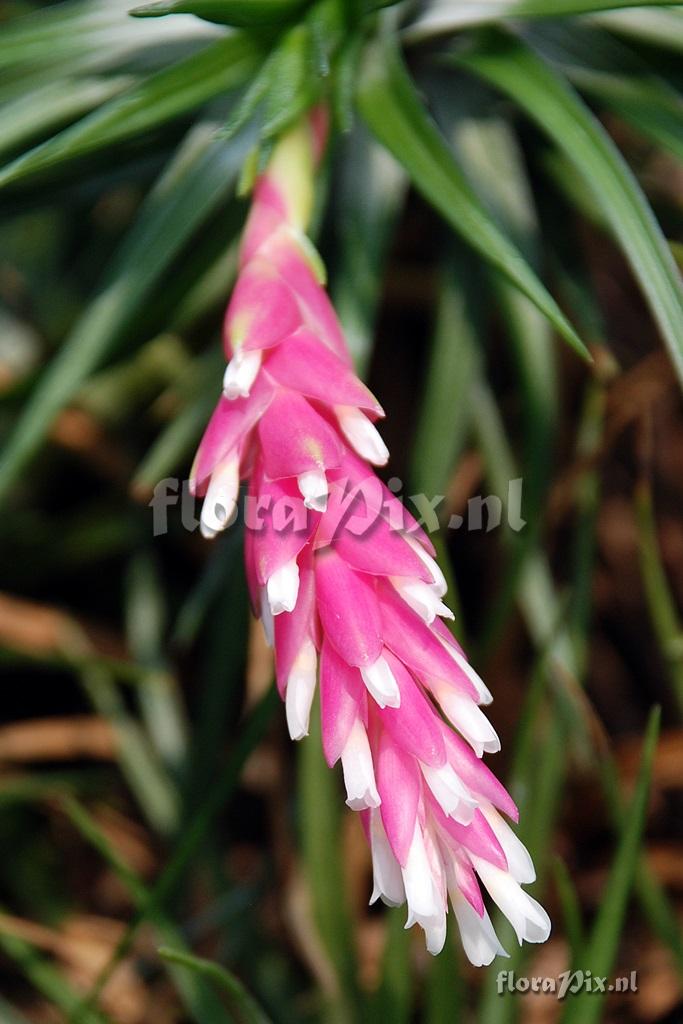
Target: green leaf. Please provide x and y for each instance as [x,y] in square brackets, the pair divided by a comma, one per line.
[445,411]
[203,1004]
[559,8]
[247,1007]
[321,843]
[9,1015]
[201,175]
[291,83]
[242,13]
[657,27]
[586,1007]
[53,105]
[394,998]
[660,600]
[47,979]
[368,194]
[193,834]
[85,34]
[159,697]
[571,909]
[610,71]
[444,16]
[388,102]
[160,98]
[549,100]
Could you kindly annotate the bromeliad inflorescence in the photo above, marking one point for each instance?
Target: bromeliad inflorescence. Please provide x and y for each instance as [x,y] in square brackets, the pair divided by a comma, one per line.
[346,584]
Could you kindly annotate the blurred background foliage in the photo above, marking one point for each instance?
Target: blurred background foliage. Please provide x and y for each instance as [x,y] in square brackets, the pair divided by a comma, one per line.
[167,855]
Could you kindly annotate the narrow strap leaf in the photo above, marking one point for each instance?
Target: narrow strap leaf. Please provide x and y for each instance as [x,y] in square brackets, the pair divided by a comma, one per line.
[390,105]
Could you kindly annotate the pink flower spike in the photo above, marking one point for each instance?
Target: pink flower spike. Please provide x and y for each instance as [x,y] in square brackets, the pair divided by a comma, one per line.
[477,838]
[379,551]
[280,528]
[398,783]
[293,629]
[262,310]
[348,610]
[316,308]
[341,574]
[342,701]
[477,776]
[295,439]
[413,726]
[226,431]
[304,364]
[415,644]
[464,879]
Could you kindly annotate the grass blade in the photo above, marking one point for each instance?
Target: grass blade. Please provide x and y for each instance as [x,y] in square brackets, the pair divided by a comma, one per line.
[451,369]
[392,109]
[247,1008]
[321,843]
[586,1006]
[368,193]
[660,600]
[204,1005]
[201,175]
[175,90]
[242,13]
[507,64]
[193,835]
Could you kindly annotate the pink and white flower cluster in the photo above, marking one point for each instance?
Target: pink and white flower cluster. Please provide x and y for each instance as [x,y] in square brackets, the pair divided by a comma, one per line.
[361,611]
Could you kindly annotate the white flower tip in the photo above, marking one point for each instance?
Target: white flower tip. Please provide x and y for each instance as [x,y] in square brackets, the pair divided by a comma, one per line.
[219,509]
[267,619]
[422,598]
[381,683]
[359,774]
[283,588]
[314,490]
[300,690]
[240,374]
[438,583]
[362,435]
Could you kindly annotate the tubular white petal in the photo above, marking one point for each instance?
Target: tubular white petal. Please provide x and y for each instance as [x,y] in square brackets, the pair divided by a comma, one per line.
[314,490]
[362,435]
[520,864]
[451,794]
[300,690]
[479,939]
[468,719]
[435,933]
[219,509]
[283,588]
[438,578]
[386,870]
[525,914]
[421,892]
[485,695]
[267,618]
[421,597]
[240,373]
[359,774]
[425,892]
[380,681]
